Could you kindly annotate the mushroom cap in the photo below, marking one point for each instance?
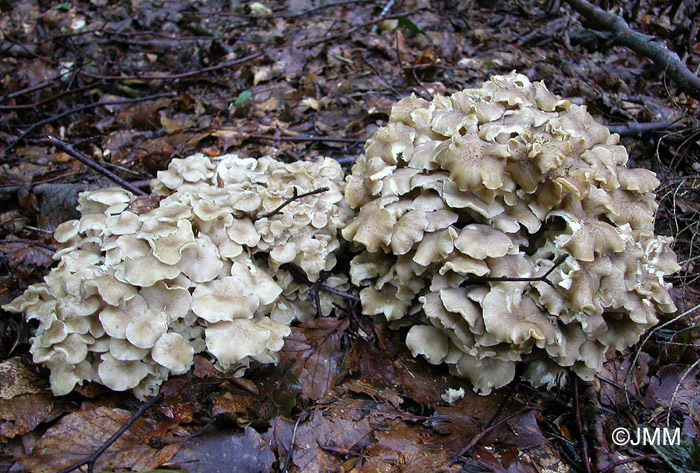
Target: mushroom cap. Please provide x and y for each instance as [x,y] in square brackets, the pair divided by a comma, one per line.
[482,241]
[144,330]
[175,301]
[173,352]
[428,341]
[201,263]
[485,374]
[227,298]
[120,375]
[235,340]
[115,320]
[515,321]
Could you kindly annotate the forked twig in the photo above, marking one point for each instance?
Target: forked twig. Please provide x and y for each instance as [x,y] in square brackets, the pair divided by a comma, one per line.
[294,197]
[543,278]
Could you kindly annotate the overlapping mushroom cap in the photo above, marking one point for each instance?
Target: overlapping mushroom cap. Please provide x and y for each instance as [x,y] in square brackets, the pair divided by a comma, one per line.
[135,296]
[506,181]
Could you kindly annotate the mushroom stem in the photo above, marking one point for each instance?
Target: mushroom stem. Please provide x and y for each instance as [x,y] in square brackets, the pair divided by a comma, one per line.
[93,165]
[294,197]
[542,278]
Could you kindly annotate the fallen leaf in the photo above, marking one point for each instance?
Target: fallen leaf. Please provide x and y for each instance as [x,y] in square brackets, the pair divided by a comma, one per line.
[313,351]
[222,452]
[24,401]
[319,438]
[404,448]
[77,435]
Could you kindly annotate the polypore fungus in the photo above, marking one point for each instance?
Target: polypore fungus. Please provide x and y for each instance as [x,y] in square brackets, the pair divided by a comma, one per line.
[467,202]
[134,297]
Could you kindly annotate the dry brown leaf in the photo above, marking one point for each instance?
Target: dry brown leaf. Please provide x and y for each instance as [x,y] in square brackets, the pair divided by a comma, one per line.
[320,440]
[76,436]
[405,448]
[313,351]
[222,452]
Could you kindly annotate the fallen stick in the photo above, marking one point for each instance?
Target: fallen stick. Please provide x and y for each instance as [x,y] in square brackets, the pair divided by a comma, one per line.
[90,461]
[80,109]
[93,165]
[667,60]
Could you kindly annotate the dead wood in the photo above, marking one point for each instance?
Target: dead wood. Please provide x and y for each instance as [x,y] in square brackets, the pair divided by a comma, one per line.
[648,46]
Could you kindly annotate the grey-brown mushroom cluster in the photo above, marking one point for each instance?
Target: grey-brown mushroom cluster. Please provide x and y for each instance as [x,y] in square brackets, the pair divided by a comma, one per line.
[507,181]
[135,296]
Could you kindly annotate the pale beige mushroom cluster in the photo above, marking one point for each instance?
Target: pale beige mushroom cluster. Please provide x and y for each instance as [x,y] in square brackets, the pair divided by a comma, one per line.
[506,181]
[135,295]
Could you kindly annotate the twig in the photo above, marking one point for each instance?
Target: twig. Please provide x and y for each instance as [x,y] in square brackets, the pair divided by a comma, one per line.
[82,108]
[543,278]
[291,445]
[667,60]
[322,7]
[302,277]
[634,128]
[42,102]
[29,242]
[493,426]
[385,10]
[294,197]
[93,165]
[579,426]
[311,44]
[338,292]
[611,466]
[33,88]
[303,138]
[90,461]
[175,76]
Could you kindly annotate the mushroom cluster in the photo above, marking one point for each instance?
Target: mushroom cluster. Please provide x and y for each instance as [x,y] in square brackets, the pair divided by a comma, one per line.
[136,293]
[501,224]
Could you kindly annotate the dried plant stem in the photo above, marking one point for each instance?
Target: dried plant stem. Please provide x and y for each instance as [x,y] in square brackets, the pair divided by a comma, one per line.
[93,165]
[90,461]
[294,197]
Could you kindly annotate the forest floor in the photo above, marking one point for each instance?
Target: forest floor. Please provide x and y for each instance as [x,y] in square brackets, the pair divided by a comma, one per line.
[134,84]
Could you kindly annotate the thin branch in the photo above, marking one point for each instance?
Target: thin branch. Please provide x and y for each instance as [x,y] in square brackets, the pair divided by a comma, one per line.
[338,292]
[291,445]
[34,88]
[83,108]
[648,46]
[579,427]
[472,443]
[294,197]
[383,13]
[303,138]
[93,165]
[90,461]
[543,278]
[302,277]
[181,75]
[634,128]
[29,242]
[311,44]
